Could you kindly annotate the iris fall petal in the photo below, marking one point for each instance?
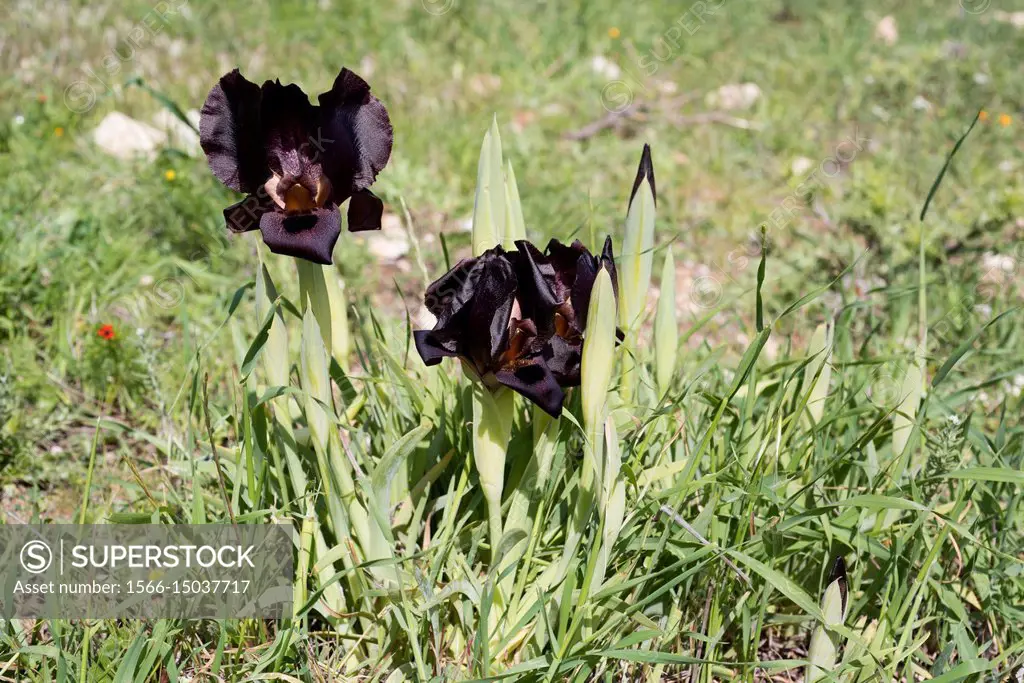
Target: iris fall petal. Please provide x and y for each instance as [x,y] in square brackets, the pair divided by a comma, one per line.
[309,236]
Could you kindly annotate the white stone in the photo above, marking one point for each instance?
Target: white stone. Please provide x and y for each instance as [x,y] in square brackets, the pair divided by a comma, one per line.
[1003,262]
[602,66]
[801,165]
[124,137]
[390,243]
[921,104]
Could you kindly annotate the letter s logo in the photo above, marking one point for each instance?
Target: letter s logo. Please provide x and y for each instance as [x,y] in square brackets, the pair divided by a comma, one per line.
[36,557]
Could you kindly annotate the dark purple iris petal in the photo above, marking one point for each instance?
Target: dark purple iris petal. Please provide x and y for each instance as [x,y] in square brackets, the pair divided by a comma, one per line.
[473,305]
[586,273]
[365,211]
[608,261]
[357,134]
[453,290]
[839,574]
[582,285]
[247,214]
[564,259]
[309,236]
[536,286]
[575,271]
[433,346]
[229,132]
[563,357]
[290,136]
[486,316]
[532,378]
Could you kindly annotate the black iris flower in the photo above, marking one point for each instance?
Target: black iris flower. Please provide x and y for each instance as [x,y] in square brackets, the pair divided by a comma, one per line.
[296,161]
[516,318]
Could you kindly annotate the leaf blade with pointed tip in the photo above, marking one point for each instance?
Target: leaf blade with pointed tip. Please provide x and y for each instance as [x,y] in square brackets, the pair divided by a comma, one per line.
[515,225]
[945,166]
[637,256]
[485,232]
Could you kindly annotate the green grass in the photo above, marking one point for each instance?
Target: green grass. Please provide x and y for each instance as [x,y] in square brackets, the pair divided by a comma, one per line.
[933,535]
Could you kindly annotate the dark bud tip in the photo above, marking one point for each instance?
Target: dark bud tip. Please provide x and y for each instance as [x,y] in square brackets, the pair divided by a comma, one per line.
[838,569]
[645,170]
[839,574]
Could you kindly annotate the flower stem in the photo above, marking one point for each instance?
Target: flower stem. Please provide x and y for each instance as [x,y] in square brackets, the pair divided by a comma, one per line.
[314,295]
[492,426]
[526,511]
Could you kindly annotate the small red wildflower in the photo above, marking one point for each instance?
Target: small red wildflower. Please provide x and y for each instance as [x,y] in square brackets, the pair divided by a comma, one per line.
[106,332]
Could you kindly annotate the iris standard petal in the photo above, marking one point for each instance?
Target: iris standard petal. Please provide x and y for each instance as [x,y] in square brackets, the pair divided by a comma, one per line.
[290,136]
[532,378]
[580,275]
[490,308]
[586,273]
[535,285]
[229,133]
[446,296]
[365,211]
[576,270]
[358,132]
[310,236]
[563,259]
